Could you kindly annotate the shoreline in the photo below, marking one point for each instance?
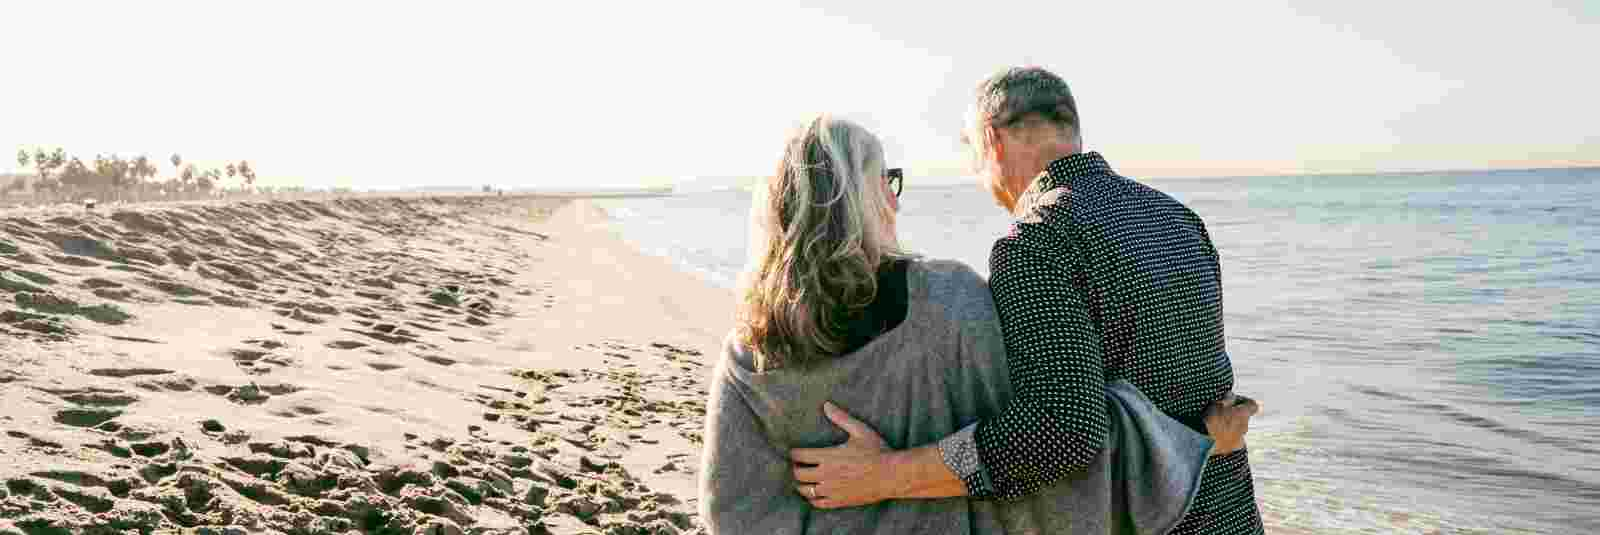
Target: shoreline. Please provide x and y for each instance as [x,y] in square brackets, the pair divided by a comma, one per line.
[292,365]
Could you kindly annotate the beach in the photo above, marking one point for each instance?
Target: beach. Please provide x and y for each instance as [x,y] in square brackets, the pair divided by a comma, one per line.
[537,364]
[457,364]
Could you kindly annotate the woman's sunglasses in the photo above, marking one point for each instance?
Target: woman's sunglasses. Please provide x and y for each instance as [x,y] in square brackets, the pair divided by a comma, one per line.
[896,178]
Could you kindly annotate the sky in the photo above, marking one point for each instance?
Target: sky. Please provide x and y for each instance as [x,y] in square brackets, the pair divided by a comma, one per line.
[598,94]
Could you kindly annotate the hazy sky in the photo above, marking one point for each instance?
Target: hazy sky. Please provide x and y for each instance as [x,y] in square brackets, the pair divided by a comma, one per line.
[385,94]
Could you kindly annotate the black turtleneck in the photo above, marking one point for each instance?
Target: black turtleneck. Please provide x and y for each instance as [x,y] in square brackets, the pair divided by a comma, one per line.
[887,310]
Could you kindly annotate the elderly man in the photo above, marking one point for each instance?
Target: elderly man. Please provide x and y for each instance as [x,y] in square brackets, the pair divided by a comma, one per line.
[1100,278]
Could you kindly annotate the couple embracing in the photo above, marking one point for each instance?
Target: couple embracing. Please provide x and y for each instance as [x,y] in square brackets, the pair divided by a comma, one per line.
[1083,388]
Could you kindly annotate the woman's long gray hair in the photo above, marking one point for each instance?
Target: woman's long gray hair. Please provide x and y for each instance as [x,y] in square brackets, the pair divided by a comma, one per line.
[820,229]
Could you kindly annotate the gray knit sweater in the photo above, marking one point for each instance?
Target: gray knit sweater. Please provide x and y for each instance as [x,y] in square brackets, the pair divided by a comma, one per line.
[944,367]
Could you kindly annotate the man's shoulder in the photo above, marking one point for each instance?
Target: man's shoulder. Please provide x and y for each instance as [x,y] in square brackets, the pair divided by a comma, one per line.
[1111,197]
[1058,217]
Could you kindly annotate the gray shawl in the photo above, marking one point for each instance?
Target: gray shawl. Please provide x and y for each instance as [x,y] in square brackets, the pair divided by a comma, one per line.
[944,367]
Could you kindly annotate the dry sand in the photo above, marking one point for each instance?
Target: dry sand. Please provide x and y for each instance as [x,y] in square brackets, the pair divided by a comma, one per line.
[419,365]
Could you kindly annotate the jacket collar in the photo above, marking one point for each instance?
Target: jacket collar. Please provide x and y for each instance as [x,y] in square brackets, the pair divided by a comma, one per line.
[1060,173]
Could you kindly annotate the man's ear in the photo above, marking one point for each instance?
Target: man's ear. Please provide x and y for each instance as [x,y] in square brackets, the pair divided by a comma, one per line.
[996,145]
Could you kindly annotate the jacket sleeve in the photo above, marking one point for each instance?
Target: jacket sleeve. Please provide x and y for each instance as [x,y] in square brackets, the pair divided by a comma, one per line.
[982,378]
[746,485]
[1056,422]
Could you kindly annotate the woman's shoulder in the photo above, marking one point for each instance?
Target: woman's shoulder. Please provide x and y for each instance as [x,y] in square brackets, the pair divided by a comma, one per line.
[737,358]
[945,270]
[963,292]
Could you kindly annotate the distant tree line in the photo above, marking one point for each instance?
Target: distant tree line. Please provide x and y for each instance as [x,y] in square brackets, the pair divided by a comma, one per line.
[59,176]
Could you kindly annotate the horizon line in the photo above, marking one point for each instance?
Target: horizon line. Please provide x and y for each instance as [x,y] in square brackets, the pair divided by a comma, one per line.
[940,179]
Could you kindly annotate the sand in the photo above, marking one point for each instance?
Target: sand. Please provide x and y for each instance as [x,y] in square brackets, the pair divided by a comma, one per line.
[446,365]
[413,364]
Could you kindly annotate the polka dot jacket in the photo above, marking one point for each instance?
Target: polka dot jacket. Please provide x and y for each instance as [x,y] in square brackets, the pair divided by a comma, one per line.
[1100,278]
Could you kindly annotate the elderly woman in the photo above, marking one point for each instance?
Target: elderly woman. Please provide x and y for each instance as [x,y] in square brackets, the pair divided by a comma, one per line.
[832,309]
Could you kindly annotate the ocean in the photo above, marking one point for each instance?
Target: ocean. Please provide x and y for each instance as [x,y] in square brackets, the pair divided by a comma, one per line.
[1426,345]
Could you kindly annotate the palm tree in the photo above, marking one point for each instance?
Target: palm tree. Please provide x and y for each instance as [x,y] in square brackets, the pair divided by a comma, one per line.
[111,174]
[142,171]
[76,176]
[180,177]
[247,173]
[46,163]
[104,177]
[121,175]
[186,178]
[209,180]
[22,161]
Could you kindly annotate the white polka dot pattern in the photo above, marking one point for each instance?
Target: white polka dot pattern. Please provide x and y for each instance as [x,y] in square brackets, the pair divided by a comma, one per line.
[960,452]
[1100,278]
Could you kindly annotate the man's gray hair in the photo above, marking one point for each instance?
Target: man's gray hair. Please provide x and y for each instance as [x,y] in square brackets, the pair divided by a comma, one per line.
[1021,95]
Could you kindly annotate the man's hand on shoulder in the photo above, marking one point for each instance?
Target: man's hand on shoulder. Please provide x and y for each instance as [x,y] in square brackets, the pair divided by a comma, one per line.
[854,473]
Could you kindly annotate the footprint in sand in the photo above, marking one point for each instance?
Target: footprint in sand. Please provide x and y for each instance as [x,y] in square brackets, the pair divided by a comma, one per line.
[35,442]
[251,394]
[247,355]
[383,366]
[230,301]
[442,361]
[385,333]
[175,289]
[48,327]
[75,261]
[117,294]
[424,327]
[363,312]
[286,330]
[299,315]
[93,396]
[127,372]
[175,383]
[85,417]
[255,361]
[150,449]
[297,411]
[263,343]
[95,283]
[371,295]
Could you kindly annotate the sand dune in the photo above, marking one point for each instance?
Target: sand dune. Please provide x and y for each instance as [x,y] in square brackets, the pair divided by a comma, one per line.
[435,365]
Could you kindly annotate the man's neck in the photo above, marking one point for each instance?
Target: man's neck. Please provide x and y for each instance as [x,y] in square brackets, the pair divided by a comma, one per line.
[1057,152]
[1046,156]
